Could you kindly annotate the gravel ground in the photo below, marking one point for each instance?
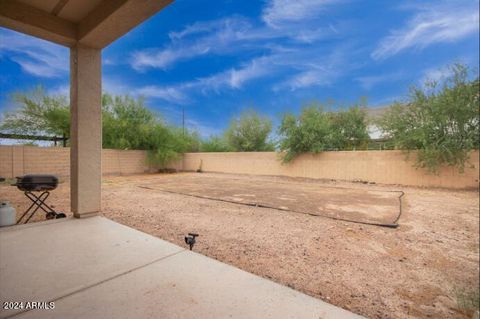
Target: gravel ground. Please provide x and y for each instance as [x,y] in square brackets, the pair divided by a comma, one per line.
[413,271]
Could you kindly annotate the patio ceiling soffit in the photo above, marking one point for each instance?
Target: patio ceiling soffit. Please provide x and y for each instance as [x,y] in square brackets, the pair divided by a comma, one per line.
[107,21]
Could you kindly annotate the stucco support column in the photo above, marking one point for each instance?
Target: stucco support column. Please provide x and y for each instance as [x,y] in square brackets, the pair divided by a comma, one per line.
[85,131]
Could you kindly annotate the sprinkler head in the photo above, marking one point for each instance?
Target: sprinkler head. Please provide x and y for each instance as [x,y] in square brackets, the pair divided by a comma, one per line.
[190,239]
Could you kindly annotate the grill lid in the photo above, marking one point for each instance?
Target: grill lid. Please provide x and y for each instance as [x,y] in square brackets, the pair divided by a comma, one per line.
[36,182]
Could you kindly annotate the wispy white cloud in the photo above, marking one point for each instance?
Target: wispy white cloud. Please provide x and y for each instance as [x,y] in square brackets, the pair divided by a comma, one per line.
[312,34]
[276,49]
[277,13]
[172,94]
[434,23]
[233,78]
[36,68]
[257,68]
[142,60]
[435,75]
[36,57]
[306,79]
[227,35]
[314,69]
[297,69]
[202,27]
[368,82]
[235,34]
[302,69]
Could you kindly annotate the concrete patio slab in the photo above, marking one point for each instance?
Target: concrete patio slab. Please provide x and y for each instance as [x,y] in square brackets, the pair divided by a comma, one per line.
[96,268]
[45,261]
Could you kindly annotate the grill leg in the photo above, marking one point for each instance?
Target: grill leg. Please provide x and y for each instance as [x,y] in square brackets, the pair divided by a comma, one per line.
[38,202]
[34,203]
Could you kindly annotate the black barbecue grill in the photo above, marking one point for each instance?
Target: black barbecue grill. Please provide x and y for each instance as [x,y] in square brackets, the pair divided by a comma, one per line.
[38,183]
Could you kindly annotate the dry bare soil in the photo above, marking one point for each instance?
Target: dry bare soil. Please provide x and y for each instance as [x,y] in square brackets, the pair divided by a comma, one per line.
[412,271]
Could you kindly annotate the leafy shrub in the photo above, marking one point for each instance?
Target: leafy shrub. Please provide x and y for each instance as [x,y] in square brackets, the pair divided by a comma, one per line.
[39,113]
[316,130]
[126,124]
[310,132]
[249,133]
[215,144]
[349,129]
[441,121]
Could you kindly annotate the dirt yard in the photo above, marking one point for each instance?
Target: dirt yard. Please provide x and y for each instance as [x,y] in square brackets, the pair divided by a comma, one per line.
[414,271]
[343,203]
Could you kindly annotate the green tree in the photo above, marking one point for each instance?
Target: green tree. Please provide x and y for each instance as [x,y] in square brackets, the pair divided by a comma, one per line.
[187,140]
[249,133]
[166,143]
[38,113]
[215,144]
[129,124]
[316,130]
[126,124]
[310,132]
[349,129]
[162,145]
[440,121]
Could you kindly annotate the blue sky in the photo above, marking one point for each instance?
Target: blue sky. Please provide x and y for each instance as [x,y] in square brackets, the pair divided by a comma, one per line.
[216,58]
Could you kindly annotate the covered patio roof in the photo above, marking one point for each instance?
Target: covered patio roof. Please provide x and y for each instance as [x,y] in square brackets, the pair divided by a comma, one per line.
[93,23]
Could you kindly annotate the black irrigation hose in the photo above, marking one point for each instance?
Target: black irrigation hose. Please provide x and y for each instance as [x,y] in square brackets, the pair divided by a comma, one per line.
[400,210]
[392,225]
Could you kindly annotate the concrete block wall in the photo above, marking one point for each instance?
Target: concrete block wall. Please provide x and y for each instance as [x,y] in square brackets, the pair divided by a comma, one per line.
[118,162]
[386,167]
[40,160]
[19,160]
[6,161]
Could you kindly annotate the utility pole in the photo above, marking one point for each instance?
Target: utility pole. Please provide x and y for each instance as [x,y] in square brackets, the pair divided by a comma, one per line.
[183,120]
